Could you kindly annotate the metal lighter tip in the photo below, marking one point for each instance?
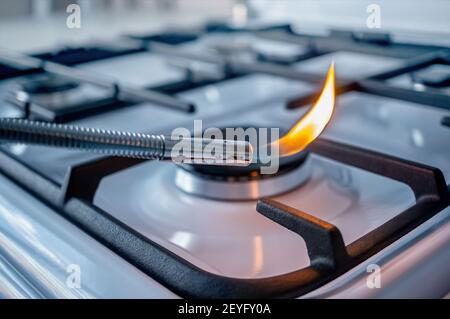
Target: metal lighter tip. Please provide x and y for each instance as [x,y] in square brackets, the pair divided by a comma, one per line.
[207,151]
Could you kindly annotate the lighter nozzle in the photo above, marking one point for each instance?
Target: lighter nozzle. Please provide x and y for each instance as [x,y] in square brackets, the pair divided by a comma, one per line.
[207,151]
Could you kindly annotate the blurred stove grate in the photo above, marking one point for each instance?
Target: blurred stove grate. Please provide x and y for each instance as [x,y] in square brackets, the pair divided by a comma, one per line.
[385,83]
[73,56]
[377,84]
[173,37]
[217,26]
[119,95]
[446,121]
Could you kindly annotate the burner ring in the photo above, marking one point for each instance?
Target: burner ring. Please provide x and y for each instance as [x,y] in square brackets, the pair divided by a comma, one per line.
[244,188]
[243,182]
[244,173]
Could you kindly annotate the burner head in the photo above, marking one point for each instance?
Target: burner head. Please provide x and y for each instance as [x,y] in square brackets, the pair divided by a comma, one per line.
[48,84]
[245,173]
[243,182]
[56,98]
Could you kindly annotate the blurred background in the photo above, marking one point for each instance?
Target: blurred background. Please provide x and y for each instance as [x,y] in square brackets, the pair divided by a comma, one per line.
[31,25]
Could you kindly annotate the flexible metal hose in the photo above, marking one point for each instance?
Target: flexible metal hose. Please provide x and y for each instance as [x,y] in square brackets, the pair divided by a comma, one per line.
[127,144]
[108,142]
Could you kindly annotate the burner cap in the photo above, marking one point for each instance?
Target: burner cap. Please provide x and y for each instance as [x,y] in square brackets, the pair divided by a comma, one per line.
[243,182]
[244,173]
[48,84]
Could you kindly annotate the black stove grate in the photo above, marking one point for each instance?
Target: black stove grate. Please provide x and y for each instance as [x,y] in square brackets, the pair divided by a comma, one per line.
[328,254]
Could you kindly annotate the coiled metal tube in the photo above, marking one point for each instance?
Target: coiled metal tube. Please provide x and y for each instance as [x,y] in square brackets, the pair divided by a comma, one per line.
[127,144]
[89,139]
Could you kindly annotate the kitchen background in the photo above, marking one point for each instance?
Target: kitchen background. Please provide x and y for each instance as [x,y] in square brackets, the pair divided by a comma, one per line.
[34,25]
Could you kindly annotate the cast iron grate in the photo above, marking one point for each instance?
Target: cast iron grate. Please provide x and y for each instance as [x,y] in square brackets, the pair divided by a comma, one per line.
[378,85]
[338,40]
[328,254]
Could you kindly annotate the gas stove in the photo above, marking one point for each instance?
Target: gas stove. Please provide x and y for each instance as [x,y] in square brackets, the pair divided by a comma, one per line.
[371,191]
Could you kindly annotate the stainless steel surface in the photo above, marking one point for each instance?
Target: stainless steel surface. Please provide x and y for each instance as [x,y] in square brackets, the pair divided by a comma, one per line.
[38,247]
[143,70]
[349,65]
[13,285]
[416,266]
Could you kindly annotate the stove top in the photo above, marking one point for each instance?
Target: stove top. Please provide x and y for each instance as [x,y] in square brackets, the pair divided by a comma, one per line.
[379,171]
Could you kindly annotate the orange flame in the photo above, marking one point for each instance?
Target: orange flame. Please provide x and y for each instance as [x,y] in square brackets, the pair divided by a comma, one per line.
[313,123]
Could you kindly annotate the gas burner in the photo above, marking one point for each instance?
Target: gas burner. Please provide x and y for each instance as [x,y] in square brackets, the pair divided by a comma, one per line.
[47,85]
[56,98]
[243,182]
[231,185]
